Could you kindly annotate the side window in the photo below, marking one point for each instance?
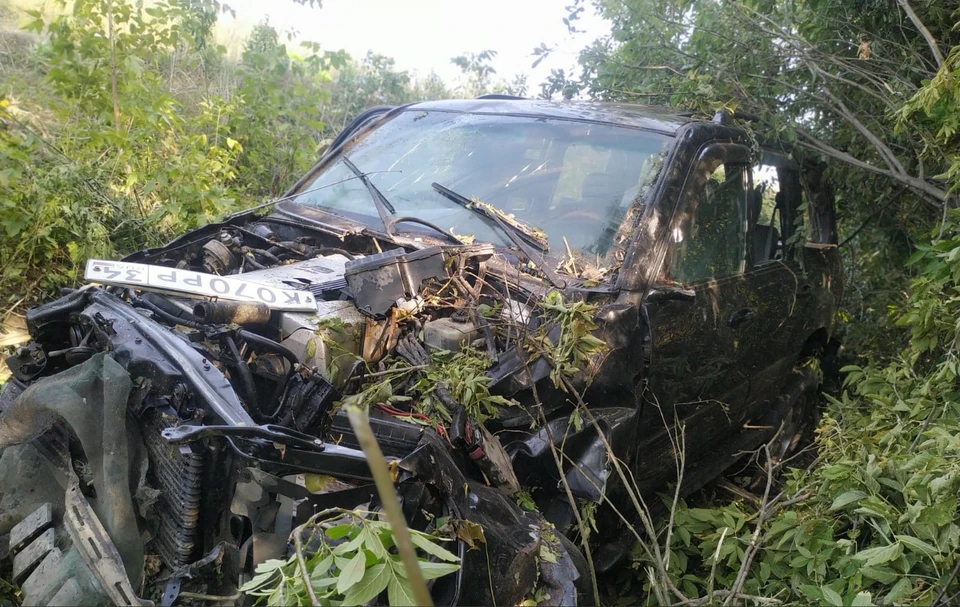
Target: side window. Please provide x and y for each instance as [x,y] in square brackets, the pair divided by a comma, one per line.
[708,240]
[774,208]
[766,214]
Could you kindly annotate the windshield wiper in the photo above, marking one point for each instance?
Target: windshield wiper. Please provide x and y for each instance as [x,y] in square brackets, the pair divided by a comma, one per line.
[531,246]
[384,208]
[513,229]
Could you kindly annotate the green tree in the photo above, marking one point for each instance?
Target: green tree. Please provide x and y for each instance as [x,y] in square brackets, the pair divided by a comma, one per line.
[477,72]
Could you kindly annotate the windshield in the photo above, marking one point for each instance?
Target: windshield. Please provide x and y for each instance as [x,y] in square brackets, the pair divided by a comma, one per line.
[574,181]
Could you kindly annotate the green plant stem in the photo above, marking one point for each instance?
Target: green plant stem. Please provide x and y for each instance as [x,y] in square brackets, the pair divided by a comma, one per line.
[360,422]
[298,542]
[573,503]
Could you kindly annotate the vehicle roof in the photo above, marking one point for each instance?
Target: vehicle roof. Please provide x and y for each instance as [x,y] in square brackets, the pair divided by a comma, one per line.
[648,117]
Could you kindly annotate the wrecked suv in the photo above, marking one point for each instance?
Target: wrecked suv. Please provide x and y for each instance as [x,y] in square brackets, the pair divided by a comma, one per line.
[541,305]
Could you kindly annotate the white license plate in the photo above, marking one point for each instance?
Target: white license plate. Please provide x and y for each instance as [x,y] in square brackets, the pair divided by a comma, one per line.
[198,284]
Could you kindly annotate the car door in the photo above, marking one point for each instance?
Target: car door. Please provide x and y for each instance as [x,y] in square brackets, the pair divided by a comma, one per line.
[777,286]
[698,312]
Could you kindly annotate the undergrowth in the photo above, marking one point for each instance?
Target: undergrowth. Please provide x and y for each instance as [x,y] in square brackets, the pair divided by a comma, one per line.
[122,125]
[349,559]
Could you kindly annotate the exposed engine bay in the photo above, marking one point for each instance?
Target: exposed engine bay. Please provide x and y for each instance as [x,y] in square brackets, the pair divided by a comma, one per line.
[234,405]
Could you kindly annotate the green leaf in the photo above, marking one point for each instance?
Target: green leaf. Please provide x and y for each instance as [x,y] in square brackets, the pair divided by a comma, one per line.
[433,570]
[321,570]
[338,531]
[863,599]
[831,597]
[277,597]
[847,498]
[917,256]
[884,575]
[879,555]
[918,545]
[374,581]
[374,543]
[811,592]
[259,580]
[399,592]
[423,542]
[901,589]
[352,573]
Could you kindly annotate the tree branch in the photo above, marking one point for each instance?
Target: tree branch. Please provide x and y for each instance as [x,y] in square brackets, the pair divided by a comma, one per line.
[915,183]
[751,550]
[882,148]
[937,55]
[883,207]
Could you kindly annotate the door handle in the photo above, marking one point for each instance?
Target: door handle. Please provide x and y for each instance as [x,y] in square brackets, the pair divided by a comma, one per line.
[744,315]
[671,293]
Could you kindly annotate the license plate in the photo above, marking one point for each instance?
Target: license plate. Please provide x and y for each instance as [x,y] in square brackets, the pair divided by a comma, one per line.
[197,284]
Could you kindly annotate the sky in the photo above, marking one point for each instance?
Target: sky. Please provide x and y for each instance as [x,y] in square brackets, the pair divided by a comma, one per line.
[422,35]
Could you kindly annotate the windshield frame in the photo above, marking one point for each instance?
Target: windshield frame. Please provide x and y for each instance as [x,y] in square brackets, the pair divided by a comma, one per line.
[319,213]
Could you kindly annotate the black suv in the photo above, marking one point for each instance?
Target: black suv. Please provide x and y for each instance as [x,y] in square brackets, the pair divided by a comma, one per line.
[505,285]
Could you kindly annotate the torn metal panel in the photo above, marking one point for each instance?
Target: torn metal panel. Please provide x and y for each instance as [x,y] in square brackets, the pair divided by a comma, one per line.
[508,556]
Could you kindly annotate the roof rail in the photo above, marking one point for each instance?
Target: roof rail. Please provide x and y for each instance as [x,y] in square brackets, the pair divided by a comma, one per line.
[498,96]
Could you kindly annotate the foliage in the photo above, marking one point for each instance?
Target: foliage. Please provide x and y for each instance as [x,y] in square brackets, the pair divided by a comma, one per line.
[464,374]
[354,562]
[127,164]
[277,118]
[934,105]
[573,349]
[121,125]
[477,71]
[9,592]
[478,76]
[828,77]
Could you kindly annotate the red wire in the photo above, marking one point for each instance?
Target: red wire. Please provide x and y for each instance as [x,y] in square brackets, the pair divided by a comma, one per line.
[397,413]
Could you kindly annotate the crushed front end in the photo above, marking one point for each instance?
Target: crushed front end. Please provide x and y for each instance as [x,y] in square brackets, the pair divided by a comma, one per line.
[201,428]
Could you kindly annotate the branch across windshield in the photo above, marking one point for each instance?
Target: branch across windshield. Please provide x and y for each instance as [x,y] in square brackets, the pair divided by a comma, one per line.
[574,181]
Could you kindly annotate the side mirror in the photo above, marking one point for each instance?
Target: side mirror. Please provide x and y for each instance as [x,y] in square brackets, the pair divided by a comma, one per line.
[670,293]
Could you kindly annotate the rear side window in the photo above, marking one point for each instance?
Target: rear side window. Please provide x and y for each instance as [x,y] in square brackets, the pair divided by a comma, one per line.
[766,207]
[777,210]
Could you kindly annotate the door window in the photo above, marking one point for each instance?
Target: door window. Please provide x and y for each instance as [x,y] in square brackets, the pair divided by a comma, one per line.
[766,205]
[708,241]
[776,212]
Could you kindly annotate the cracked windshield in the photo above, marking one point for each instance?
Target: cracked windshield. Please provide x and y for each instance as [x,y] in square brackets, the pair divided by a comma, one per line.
[574,181]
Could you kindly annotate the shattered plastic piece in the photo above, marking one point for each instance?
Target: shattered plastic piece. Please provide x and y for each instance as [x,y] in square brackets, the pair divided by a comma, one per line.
[448,334]
[96,548]
[32,526]
[25,560]
[91,398]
